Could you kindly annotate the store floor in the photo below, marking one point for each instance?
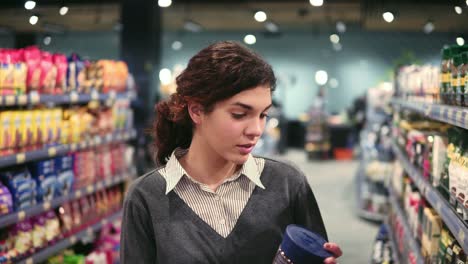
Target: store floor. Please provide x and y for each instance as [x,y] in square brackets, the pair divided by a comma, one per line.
[334,189]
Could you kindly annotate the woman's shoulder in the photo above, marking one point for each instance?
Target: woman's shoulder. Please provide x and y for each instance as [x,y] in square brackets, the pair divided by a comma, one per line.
[149,184]
[287,169]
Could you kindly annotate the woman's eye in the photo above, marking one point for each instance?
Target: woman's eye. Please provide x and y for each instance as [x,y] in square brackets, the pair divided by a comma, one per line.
[237,116]
[264,115]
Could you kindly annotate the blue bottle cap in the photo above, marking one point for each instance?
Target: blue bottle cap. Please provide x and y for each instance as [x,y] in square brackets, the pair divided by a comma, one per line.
[301,245]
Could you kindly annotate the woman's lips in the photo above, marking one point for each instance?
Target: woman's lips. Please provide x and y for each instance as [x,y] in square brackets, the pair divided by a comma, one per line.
[245,149]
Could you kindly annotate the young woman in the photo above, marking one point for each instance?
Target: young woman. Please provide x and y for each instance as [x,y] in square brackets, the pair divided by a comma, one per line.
[211,201]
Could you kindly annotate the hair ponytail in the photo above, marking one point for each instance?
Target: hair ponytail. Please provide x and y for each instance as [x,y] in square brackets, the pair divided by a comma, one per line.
[172,129]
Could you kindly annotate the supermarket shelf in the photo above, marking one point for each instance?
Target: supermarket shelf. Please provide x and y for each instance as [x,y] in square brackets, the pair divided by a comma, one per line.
[359,203]
[450,218]
[16,217]
[58,150]
[391,239]
[65,243]
[61,99]
[415,248]
[457,116]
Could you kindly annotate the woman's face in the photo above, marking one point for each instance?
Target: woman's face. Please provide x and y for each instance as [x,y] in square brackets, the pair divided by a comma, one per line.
[234,126]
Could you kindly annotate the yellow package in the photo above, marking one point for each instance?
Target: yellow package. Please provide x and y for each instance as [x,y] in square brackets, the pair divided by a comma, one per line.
[47,125]
[16,129]
[19,77]
[6,78]
[65,132]
[52,127]
[58,113]
[5,130]
[74,127]
[37,137]
[27,127]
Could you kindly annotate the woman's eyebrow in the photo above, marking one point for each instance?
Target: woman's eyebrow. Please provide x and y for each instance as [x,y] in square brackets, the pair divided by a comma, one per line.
[249,107]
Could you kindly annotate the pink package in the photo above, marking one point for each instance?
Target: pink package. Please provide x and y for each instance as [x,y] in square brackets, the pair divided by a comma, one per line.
[48,74]
[60,62]
[6,72]
[32,58]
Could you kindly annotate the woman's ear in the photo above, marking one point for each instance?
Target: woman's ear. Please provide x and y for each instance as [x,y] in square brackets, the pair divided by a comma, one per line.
[195,111]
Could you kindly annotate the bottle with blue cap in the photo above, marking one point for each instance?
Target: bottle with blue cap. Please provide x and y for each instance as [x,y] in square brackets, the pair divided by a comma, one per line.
[301,246]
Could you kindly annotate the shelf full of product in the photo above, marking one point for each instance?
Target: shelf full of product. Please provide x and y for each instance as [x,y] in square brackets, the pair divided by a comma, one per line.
[63,157]
[430,140]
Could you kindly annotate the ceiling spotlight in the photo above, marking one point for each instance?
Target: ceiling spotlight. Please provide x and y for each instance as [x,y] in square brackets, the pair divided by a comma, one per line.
[29,5]
[176,45]
[458,10]
[316,2]
[340,27]
[334,83]
[164,3]
[47,40]
[337,46]
[321,77]
[250,39]
[428,27]
[460,41]
[271,27]
[260,16]
[466,2]
[334,38]
[63,10]
[388,17]
[165,76]
[33,20]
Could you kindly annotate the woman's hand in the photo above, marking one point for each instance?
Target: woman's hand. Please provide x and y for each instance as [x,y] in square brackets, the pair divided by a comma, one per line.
[335,250]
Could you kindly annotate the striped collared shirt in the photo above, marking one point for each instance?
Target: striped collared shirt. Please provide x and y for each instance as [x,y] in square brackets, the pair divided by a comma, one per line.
[220,209]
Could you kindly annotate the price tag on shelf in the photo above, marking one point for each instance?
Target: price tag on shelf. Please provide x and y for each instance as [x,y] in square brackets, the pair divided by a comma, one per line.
[78,194]
[461,236]
[73,147]
[46,206]
[22,99]
[52,152]
[94,95]
[10,100]
[20,158]
[34,97]
[29,260]
[74,97]
[90,189]
[21,215]
[72,240]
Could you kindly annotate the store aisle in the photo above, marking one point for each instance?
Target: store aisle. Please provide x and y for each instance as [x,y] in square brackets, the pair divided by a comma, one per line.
[333,186]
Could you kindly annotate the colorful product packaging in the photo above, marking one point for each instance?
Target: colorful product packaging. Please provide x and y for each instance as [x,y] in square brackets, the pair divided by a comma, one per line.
[32,58]
[61,64]
[48,74]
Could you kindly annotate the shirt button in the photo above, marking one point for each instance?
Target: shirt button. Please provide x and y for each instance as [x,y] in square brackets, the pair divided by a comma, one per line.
[222,221]
[217,198]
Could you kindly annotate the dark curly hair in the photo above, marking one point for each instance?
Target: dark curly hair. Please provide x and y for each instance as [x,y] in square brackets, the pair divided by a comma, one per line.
[214,74]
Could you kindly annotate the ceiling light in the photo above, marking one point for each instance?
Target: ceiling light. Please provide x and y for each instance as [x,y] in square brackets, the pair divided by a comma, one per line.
[466,2]
[321,77]
[33,20]
[428,27]
[458,10]
[192,26]
[316,2]
[340,27]
[176,45]
[250,39]
[260,16]
[334,38]
[63,10]
[165,76]
[460,41]
[271,27]
[47,40]
[164,3]
[334,83]
[337,46]
[29,5]
[388,17]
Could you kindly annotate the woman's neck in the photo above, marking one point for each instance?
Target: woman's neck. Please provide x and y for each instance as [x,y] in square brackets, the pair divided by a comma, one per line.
[204,165]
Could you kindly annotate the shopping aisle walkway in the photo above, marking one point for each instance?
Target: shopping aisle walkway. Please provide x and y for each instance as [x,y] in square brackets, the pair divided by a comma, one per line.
[334,189]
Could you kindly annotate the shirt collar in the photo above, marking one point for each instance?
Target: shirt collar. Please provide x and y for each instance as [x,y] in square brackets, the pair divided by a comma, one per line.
[173,171]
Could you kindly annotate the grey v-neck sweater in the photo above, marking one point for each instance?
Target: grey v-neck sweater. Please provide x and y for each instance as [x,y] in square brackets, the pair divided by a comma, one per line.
[159,228]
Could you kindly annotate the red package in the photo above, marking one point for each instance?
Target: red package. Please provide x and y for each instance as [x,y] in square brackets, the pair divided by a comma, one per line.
[20,71]
[48,74]
[60,62]
[6,72]
[32,58]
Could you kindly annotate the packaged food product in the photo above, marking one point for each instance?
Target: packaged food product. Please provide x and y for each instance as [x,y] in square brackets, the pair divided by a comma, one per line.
[48,74]
[38,132]
[66,218]
[20,72]
[27,128]
[77,216]
[39,232]
[52,226]
[64,182]
[445,75]
[60,62]
[32,58]
[76,73]
[6,72]
[17,132]
[48,126]
[6,137]
[463,80]
[22,235]
[46,186]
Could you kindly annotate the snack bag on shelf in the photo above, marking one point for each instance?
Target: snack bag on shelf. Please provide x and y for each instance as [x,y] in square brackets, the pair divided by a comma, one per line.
[76,74]
[27,128]
[52,227]
[48,126]
[66,218]
[37,127]
[6,129]
[122,75]
[17,126]
[60,62]
[76,214]
[20,72]
[46,185]
[6,72]
[85,210]
[39,232]
[22,237]
[48,74]
[32,58]
[64,182]
[6,200]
